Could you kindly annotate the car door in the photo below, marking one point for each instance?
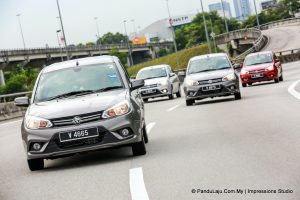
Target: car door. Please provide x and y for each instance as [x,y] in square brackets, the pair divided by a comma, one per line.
[277,64]
[173,79]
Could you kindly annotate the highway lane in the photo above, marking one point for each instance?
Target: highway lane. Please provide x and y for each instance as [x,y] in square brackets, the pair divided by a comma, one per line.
[283,38]
[217,144]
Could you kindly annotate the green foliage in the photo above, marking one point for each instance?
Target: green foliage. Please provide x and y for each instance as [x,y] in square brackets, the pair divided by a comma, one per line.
[113,38]
[120,55]
[162,52]
[19,80]
[183,56]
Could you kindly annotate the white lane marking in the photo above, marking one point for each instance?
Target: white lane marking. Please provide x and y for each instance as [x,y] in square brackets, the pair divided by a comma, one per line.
[150,126]
[293,91]
[137,186]
[12,122]
[172,108]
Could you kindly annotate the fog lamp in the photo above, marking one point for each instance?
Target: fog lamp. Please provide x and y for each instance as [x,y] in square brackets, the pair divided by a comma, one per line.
[36,146]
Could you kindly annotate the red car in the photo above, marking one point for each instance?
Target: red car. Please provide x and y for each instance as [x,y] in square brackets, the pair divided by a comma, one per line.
[262,66]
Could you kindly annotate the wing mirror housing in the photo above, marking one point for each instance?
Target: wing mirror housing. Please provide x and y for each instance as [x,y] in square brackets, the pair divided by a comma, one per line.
[136,84]
[22,102]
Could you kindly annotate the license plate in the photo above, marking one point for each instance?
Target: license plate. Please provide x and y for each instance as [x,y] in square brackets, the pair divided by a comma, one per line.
[78,134]
[257,76]
[211,87]
[149,91]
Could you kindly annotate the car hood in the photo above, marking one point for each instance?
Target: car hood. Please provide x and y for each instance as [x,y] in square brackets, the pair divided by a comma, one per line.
[77,105]
[210,75]
[155,80]
[257,67]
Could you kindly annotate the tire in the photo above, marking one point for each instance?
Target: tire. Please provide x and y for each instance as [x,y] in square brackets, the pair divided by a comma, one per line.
[244,84]
[189,102]
[250,84]
[145,100]
[171,96]
[237,96]
[281,77]
[36,164]
[145,134]
[139,148]
[276,80]
[178,94]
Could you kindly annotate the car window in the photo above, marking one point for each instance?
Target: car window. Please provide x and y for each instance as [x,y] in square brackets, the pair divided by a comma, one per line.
[208,64]
[80,78]
[258,59]
[152,73]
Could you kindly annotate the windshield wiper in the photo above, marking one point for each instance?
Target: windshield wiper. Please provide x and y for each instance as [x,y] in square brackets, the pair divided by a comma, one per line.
[65,95]
[207,70]
[108,88]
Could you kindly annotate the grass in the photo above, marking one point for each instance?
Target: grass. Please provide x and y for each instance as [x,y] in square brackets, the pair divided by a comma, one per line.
[183,56]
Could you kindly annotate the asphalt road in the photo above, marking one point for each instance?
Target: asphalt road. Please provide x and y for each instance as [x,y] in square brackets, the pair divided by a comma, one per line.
[252,143]
[283,38]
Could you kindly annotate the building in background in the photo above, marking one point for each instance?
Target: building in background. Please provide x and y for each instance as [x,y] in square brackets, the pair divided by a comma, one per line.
[218,7]
[161,31]
[242,9]
[268,4]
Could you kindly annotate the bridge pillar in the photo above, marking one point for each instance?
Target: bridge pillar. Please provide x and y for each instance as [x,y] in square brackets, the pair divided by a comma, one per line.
[2,80]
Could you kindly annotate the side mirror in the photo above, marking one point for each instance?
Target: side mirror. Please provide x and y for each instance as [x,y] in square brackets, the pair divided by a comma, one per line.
[132,77]
[136,84]
[172,74]
[237,66]
[22,101]
[277,60]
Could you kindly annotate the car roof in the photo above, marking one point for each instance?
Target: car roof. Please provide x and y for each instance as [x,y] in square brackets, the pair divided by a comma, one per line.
[155,67]
[79,62]
[260,53]
[208,55]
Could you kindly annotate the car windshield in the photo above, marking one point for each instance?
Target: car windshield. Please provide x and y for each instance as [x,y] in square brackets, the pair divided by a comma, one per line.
[258,59]
[77,80]
[152,73]
[208,64]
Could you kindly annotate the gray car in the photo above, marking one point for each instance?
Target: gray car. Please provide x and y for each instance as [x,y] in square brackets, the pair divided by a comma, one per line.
[160,81]
[82,105]
[210,76]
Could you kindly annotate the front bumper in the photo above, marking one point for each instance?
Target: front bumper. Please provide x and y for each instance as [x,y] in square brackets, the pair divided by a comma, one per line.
[158,91]
[225,89]
[108,137]
[266,76]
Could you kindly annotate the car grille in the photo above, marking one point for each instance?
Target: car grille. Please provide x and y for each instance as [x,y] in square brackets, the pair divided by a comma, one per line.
[257,71]
[80,142]
[210,81]
[149,86]
[85,118]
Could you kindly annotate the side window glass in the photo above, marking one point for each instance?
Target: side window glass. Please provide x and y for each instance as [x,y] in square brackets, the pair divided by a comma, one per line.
[126,73]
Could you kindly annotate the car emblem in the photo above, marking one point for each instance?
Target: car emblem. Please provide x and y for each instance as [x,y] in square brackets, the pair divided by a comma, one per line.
[210,81]
[77,120]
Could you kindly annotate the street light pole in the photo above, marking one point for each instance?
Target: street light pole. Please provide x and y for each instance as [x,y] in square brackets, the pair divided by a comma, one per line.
[128,45]
[206,33]
[18,15]
[61,56]
[173,33]
[63,30]
[98,36]
[226,25]
[257,19]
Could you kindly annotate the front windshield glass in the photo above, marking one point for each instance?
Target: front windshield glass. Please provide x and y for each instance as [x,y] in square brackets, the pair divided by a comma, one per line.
[258,59]
[77,79]
[152,73]
[208,64]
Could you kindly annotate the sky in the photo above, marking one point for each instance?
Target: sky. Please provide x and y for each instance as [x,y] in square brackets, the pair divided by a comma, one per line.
[39,18]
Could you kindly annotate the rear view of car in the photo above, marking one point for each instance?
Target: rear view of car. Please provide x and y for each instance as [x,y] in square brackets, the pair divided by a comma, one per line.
[210,76]
[160,81]
[259,67]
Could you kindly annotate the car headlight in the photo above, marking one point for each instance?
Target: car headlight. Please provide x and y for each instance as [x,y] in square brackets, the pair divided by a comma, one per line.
[163,83]
[37,123]
[270,68]
[229,77]
[243,72]
[117,110]
[191,82]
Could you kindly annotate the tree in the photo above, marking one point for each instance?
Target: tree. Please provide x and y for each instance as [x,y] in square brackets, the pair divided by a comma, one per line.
[111,38]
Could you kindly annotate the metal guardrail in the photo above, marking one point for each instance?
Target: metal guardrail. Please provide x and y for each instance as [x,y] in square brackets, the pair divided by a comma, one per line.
[279,23]
[19,94]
